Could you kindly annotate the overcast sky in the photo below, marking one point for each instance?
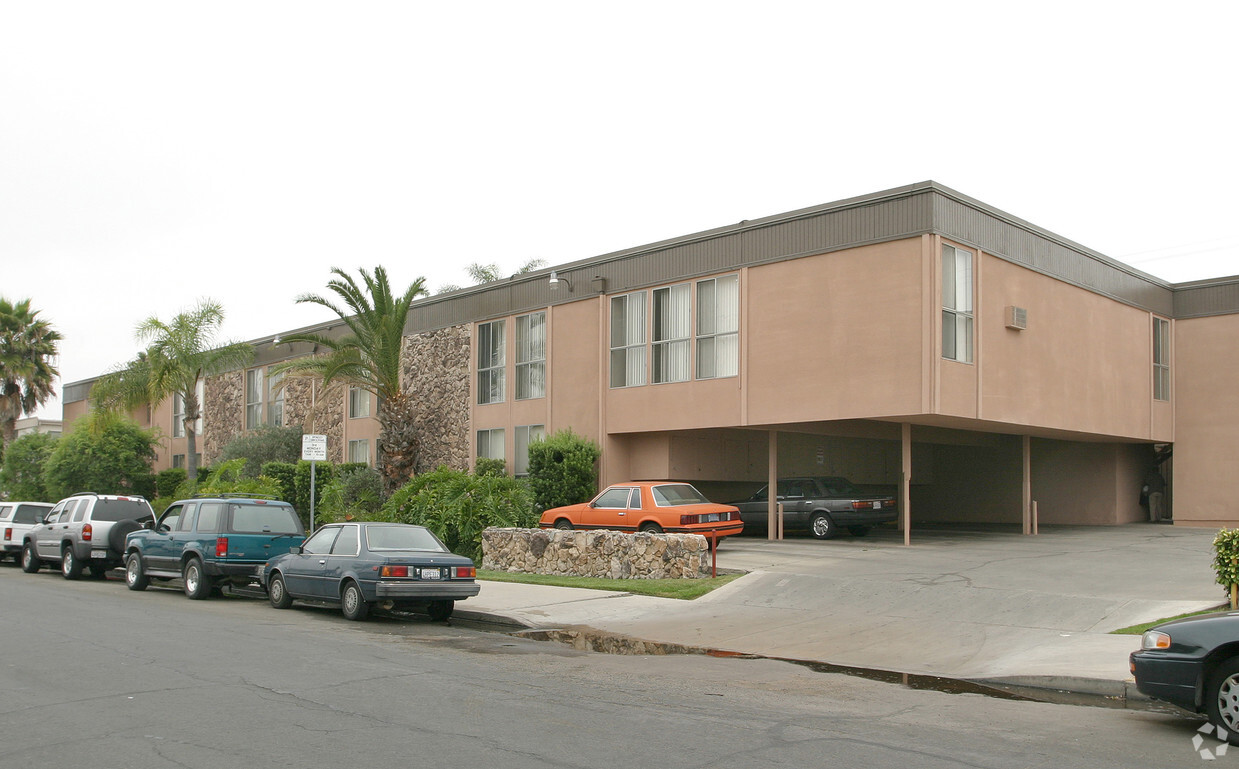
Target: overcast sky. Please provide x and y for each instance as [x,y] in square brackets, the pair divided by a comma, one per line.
[155,153]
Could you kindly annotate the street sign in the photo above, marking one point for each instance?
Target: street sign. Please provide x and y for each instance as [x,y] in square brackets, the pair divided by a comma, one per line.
[314,448]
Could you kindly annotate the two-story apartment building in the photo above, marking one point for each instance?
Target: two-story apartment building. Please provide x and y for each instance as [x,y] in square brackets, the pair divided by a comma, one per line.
[913,338]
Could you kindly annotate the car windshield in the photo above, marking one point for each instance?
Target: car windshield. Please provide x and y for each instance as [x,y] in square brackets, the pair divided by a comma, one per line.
[677,494]
[402,538]
[120,510]
[264,519]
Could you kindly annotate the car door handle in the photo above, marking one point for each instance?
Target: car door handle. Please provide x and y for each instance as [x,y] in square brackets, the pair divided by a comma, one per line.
[322,561]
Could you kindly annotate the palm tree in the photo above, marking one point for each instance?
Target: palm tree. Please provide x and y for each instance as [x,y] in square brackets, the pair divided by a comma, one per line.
[368,357]
[178,355]
[488,273]
[27,364]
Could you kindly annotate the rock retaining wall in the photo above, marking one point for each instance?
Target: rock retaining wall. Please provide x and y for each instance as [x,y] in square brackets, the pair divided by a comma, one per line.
[605,554]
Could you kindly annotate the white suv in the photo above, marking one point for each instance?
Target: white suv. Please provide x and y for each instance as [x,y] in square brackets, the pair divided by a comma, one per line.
[85,530]
[17,518]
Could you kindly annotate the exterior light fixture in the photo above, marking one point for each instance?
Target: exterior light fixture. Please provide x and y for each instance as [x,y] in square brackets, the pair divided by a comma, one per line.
[557,281]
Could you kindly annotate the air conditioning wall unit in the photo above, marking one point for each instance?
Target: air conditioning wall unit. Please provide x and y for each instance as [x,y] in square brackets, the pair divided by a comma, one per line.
[1017,318]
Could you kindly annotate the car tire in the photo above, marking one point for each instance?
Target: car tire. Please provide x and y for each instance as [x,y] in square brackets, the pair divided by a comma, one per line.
[135,575]
[440,610]
[197,584]
[70,564]
[277,592]
[822,527]
[563,524]
[651,528]
[352,602]
[30,561]
[859,531]
[1222,697]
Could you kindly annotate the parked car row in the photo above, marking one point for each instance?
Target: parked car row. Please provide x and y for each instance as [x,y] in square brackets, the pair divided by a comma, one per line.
[211,542]
[819,505]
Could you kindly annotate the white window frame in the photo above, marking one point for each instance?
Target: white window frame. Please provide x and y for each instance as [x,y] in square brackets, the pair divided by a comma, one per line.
[1161,359]
[491,362]
[490,444]
[531,356]
[628,362]
[718,327]
[671,334]
[253,389]
[957,308]
[525,435]
[359,448]
[358,403]
[178,416]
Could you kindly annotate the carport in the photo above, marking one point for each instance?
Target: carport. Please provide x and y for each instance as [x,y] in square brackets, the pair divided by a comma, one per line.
[941,474]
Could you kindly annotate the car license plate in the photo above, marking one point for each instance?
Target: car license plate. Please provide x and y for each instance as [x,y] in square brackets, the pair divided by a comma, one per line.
[877,505]
[430,574]
[712,518]
[98,554]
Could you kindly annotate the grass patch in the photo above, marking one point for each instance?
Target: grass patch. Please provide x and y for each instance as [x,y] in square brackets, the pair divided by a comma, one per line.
[1139,629]
[684,589]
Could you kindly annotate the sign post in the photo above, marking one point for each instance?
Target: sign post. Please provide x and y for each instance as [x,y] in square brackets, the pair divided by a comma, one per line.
[314,450]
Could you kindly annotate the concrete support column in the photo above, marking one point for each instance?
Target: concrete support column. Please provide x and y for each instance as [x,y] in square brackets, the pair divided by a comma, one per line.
[1026,501]
[905,484]
[773,530]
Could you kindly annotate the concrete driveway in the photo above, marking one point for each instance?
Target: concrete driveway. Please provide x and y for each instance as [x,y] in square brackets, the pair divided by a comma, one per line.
[970,603]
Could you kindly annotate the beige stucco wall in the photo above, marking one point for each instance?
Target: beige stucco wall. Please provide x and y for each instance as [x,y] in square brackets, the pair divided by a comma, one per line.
[1084,363]
[1206,388]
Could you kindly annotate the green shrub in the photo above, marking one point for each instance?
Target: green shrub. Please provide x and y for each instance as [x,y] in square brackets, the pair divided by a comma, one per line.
[488,466]
[356,492]
[262,445]
[323,474]
[230,478]
[1226,558]
[563,470]
[21,475]
[104,453]
[457,506]
[167,481]
[285,474]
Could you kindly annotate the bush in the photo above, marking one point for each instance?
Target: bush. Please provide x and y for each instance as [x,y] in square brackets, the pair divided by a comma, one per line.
[323,475]
[1226,558]
[104,453]
[457,506]
[285,474]
[356,492]
[21,475]
[262,445]
[230,478]
[168,481]
[488,466]
[563,470]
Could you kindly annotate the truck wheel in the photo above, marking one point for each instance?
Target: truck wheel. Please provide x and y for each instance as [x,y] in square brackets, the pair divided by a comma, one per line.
[70,566]
[135,575]
[30,561]
[197,584]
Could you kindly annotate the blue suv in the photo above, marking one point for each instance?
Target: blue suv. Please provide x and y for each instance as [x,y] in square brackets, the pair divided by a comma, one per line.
[210,542]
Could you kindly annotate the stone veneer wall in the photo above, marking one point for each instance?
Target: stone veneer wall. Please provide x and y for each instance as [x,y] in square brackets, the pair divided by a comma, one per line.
[223,412]
[599,553]
[318,412]
[435,366]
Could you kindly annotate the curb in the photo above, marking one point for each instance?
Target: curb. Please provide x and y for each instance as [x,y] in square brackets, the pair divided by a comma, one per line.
[1061,690]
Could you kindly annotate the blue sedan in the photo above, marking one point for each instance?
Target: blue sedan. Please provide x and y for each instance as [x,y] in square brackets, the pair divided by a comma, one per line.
[360,565]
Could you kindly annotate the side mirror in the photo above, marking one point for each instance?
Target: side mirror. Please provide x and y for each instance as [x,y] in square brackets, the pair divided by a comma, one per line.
[295,549]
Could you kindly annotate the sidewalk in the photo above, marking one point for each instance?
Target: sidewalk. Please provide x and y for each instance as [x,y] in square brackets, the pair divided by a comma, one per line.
[982,605]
